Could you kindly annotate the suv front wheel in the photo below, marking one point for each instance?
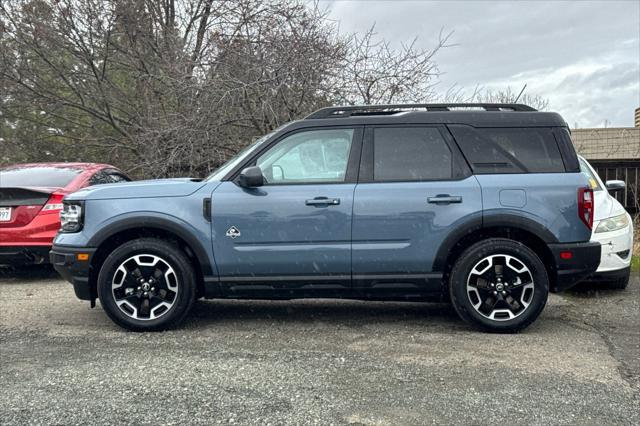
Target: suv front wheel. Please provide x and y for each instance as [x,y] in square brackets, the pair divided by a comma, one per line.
[146,284]
[499,285]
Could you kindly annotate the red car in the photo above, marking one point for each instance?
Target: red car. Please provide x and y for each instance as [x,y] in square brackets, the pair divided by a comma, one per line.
[31,200]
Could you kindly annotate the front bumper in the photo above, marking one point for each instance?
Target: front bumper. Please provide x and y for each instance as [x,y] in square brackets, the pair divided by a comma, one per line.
[24,255]
[611,276]
[583,261]
[65,261]
[617,247]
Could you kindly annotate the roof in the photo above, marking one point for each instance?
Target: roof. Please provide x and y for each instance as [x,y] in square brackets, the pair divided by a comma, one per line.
[613,143]
[386,109]
[477,114]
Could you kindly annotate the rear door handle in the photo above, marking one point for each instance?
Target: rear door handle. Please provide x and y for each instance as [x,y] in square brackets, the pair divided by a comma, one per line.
[323,201]
[444,199]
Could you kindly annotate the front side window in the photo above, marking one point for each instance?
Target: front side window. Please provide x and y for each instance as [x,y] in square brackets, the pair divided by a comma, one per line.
[410,154]
[308,157]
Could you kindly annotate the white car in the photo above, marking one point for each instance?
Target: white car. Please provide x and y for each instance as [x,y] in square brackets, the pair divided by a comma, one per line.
[613,228]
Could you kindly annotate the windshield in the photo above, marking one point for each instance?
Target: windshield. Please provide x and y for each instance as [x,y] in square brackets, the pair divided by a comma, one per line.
[590,174]
[221,171]
[58,177]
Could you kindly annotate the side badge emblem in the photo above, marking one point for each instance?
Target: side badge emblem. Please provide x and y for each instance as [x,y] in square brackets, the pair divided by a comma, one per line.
[233,232]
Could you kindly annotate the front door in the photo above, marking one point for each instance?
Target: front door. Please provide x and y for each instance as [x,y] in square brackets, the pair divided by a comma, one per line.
[294,233]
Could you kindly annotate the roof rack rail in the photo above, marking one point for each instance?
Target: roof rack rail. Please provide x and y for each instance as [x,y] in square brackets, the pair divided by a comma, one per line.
[348,111]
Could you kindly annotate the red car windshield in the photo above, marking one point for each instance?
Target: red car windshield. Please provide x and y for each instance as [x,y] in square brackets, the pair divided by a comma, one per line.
[58,177]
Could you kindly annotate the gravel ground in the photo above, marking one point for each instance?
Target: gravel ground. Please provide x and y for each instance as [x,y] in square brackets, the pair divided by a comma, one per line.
[316,362]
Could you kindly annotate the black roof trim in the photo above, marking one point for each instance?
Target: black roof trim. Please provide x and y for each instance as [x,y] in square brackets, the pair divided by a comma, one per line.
[348,111]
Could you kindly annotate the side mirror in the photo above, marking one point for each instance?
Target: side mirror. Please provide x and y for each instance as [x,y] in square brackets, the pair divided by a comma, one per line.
[251,177]
[615,185]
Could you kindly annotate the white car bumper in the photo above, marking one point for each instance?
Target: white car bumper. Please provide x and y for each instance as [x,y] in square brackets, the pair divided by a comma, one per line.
[617,247]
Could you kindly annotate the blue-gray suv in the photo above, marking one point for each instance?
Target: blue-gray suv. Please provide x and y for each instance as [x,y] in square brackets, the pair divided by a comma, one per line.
[482,205]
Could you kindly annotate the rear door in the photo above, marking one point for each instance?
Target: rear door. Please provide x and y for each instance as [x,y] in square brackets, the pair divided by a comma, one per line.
[294,233]
[414,188]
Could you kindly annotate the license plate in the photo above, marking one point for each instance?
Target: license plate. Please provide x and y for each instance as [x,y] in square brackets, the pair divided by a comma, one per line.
[5,214]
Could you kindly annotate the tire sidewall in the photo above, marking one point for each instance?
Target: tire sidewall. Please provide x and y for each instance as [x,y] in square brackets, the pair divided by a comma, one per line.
[168,253]
[477,252]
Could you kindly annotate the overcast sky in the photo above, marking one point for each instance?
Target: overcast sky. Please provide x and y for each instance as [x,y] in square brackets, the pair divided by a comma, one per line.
[584,56]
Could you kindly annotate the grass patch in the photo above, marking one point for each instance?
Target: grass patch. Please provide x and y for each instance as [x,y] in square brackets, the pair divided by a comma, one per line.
[635,264]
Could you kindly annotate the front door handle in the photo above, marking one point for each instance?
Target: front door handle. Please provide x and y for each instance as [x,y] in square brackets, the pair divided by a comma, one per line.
[444,199]
[323,201]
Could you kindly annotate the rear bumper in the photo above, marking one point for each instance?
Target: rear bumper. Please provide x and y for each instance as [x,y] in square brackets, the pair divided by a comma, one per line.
[583,261]
[24,255]
[77,272]
[39,232]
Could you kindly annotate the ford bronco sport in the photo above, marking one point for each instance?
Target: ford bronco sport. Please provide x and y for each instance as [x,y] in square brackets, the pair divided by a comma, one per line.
[480,204]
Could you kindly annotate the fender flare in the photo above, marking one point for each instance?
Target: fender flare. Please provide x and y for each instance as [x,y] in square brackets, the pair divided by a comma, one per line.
[493,220]
[171,224]
[518,220]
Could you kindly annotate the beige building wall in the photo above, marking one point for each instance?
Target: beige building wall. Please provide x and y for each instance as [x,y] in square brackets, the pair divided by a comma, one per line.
[614,143]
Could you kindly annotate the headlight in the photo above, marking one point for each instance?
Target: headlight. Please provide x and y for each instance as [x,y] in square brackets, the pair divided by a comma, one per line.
[613,223]
[71,216]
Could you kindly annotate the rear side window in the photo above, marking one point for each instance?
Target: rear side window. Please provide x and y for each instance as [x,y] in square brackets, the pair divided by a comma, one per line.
[100,178]
[509,150]
[107,176]
[117,177]
[410,154]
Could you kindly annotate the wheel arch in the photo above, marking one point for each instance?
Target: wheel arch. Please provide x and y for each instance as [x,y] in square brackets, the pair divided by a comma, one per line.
[520,229]
[121,231]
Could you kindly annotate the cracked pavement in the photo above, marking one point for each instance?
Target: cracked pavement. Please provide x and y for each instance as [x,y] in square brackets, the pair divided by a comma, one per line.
[316,362]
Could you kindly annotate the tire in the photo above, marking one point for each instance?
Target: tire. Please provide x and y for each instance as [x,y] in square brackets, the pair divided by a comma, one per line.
[163,270]
[489,267]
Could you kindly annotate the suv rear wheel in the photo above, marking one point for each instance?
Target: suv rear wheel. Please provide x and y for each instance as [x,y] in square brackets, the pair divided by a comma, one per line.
[146,284]
[499,285]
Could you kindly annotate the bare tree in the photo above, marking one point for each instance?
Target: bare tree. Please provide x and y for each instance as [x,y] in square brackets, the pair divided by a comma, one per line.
[158,87]
[166,87]
[503,96]
[376,73]
[509,96]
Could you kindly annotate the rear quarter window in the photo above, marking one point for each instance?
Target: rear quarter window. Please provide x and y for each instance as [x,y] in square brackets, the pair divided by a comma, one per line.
[509,150]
